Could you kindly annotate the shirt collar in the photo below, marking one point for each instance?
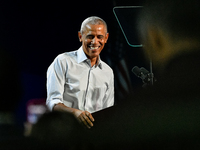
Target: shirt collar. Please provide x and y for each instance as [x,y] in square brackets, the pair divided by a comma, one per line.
[99,64]
[81,56]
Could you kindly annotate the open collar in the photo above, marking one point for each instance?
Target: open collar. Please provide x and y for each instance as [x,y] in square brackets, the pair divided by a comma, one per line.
[81,56]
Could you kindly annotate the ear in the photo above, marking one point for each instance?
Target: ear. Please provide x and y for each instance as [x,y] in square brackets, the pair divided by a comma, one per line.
[80,36]
[106,38]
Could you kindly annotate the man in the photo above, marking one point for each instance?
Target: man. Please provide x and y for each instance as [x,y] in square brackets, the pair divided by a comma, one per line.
[167,115]
[79,82]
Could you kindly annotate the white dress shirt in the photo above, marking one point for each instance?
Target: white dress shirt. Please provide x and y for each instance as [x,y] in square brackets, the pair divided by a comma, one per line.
[72,81]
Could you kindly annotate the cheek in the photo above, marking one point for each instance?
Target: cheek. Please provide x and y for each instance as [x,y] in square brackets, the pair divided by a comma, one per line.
[87,41]
[102,42]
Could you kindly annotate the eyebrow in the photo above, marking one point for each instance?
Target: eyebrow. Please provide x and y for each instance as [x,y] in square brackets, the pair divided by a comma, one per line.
[93,35]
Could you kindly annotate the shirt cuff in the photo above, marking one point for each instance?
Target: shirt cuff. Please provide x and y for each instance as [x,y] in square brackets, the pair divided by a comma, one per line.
[52,103]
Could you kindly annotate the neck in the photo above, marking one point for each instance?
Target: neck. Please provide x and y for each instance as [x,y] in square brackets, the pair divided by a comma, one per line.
[93,61]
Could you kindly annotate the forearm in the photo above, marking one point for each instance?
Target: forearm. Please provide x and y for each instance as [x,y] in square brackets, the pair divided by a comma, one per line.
[63,108]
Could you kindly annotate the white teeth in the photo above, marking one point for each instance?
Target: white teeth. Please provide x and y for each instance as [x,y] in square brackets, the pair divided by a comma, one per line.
[94,48]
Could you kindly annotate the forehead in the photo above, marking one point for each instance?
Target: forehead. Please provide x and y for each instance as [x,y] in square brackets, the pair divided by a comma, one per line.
[99,28]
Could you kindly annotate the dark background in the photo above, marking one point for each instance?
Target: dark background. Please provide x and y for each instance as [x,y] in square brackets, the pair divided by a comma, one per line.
[33,33]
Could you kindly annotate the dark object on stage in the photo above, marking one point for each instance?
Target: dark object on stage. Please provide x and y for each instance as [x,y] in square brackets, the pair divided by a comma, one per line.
[146,76]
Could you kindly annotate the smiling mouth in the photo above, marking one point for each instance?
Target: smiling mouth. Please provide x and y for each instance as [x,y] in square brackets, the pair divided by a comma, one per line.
[94,47]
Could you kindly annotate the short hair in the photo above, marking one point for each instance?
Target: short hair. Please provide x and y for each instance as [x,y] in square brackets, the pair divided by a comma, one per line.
[178,18]
[92,20]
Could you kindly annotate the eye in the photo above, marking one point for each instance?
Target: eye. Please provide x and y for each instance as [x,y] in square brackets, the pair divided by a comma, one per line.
[100,36]
[89,36]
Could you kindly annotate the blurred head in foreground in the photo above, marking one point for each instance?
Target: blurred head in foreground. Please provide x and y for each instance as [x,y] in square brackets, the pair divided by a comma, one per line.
[58,129]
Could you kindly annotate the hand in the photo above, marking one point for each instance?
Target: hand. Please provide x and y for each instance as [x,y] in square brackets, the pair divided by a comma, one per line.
[84,117]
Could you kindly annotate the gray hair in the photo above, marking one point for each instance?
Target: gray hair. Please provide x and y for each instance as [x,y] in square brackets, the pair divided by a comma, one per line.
[94,20]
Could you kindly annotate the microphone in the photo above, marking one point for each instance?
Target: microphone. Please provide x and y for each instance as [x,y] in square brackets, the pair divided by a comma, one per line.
[143,74]
[145,71]
[140,72]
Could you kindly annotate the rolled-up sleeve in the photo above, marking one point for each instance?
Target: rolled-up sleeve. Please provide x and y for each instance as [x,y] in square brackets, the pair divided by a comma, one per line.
[55,82]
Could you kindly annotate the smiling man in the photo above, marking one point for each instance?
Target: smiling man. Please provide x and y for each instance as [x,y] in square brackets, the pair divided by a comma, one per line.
[79,82]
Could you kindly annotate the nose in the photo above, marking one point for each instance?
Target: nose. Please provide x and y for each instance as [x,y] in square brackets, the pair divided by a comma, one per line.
[95,40]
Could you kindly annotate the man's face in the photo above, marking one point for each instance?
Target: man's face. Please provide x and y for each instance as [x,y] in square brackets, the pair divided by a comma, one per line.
[93,39]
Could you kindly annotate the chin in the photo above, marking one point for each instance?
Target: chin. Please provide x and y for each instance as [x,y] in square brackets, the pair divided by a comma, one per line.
[93,55]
